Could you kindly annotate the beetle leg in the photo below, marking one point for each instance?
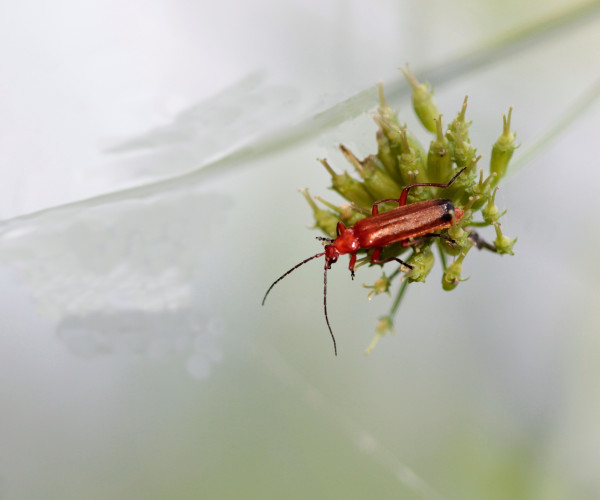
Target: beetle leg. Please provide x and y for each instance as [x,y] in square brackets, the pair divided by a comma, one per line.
[481,243]
[352,264]
[416,241]
[404,194]
[322,238]
[375,208]
[340,228]
[375,259]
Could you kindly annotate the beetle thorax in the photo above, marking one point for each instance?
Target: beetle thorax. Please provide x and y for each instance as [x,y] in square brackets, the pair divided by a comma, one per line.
[346,242]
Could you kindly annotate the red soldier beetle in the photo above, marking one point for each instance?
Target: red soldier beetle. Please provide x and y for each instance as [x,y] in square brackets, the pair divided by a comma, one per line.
[406,224]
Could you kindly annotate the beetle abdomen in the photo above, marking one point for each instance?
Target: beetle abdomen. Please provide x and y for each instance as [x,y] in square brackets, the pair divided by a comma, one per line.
[402,223]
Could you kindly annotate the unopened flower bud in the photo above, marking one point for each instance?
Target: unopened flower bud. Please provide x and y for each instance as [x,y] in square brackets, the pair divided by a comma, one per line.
[413,169]
[503,243]
[460,240]
[350,213]
[459,127]
[462,188]
[386,156]
[422,263]
[491,212]
[458,137]
[324,219]
[503,150]
[480,191]
[386,113]
[439,158]
[376,181]
[348,187]
[422,98]
[452,275]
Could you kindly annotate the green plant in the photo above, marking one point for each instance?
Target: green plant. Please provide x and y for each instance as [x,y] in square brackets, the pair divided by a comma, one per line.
[402,160]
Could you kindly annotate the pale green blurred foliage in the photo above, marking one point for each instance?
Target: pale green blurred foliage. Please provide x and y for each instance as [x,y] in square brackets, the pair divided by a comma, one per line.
[488,392]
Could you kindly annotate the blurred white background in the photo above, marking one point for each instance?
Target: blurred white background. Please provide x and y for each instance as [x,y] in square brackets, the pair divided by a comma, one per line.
[150,156]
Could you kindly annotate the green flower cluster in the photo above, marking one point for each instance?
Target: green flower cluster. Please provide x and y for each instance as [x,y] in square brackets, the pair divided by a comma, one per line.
[402,160]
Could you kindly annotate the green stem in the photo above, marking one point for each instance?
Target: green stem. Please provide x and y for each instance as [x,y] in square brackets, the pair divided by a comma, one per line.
[443,256]
[398,299]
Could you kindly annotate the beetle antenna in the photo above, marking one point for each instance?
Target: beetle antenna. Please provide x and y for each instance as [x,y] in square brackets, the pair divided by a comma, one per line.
[288,272]
[325,308]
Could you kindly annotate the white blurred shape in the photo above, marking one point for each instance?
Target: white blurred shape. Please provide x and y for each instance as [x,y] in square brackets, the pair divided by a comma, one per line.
[129,276]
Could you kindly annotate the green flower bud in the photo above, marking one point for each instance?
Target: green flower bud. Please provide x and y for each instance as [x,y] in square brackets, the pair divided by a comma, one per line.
[422,99]
[348,187]
[388,159]
[463,153]
[414,144]
[439,158]
[384,325]
[381,285]
[387,123]
[490,212]
[398,142]
[386,113]
[377,182]
[459,128]
[467,217]
[461,240]
[422,263]
[458,137]
[348,213]
[462,189]
[391,147]
[452,275]
[480,191]
[503,150]
[413,169]
[503,243]
[324,219]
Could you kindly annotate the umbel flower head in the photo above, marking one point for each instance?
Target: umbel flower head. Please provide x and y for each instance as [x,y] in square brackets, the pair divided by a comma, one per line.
[402,160]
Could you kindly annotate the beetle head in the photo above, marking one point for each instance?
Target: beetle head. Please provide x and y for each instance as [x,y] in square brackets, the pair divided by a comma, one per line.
[331,255]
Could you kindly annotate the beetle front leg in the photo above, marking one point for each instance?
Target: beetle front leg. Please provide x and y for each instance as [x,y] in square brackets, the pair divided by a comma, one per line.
[352,264]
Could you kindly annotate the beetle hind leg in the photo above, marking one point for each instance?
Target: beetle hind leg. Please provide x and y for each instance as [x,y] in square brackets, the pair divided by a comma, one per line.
[416,241]
[481,243]
[376,260]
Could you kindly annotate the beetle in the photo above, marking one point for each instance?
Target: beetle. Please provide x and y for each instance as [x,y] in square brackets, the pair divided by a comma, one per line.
[405,224]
